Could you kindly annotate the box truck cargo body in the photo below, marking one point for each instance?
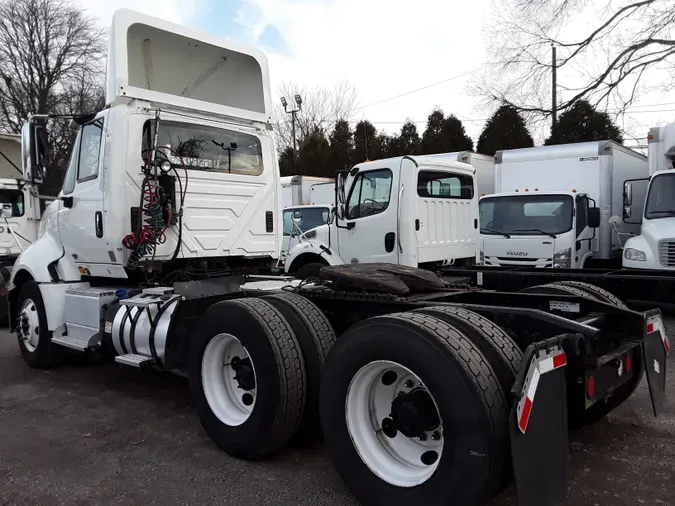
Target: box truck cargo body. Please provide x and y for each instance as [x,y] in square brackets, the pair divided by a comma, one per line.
[553,205]
[484,165]
[307,190]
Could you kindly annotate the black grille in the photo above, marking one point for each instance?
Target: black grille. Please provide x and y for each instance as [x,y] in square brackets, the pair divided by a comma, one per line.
[269,221]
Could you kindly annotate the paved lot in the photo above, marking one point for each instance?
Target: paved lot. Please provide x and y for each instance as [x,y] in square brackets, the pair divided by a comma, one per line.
[110,435]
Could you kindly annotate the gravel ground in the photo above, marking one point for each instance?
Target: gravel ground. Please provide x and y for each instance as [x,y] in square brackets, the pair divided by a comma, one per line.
[84,434]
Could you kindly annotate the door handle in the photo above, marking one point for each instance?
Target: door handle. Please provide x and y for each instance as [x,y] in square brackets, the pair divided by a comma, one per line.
[67,202]
[389,241]
[98,224]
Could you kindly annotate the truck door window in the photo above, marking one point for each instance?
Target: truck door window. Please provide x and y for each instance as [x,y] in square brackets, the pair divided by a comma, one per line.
[90,150]
[438,184]
[369,194]
[582,214]
[12,200]
[71,173]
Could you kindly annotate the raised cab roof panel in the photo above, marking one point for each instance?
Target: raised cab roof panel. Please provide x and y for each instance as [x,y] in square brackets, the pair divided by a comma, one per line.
[152,59]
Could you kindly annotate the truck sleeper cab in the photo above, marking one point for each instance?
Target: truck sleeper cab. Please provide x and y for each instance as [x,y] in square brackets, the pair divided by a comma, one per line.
[411,210]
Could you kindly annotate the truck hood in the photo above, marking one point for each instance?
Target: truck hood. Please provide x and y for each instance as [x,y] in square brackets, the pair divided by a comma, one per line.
[659,229]
[520,249]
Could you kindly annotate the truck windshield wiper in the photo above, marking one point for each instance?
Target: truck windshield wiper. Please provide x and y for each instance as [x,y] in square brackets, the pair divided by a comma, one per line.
[495,232]
[535,230]
[662,211]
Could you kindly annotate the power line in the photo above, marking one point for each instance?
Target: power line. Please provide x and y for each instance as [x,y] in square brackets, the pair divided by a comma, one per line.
[419,89]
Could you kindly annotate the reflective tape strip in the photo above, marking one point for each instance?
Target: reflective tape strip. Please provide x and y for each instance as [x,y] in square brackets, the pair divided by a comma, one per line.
[655,323]
[553,362]
[529,401]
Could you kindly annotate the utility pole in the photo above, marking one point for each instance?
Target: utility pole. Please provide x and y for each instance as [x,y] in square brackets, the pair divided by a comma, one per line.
[293,112]
[554,95]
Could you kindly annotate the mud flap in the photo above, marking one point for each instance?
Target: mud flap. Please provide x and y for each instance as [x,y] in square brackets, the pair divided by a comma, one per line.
[538,426]
[656,347]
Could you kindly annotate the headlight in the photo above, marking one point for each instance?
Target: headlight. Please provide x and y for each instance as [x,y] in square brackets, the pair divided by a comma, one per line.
[635,254]
[563,259]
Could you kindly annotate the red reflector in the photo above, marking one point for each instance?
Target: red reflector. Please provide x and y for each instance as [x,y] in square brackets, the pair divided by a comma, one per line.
[628,363]
[591,386]
[3,292]
[666,344]
[650,328]
[525,417]
[559,360]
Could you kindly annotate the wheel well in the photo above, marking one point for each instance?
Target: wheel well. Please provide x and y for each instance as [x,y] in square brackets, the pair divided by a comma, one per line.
[19,280]
[304,259]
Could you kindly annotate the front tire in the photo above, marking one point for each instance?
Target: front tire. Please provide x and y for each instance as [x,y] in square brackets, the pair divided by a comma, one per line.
[247,377]
[35,339]
[368,384]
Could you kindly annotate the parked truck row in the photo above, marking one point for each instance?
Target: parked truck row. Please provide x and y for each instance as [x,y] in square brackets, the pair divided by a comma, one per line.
[426,390]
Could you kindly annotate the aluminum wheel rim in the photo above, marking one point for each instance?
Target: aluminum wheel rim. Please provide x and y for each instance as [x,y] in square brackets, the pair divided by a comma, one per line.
[227,400]
[398,460]
[29,325]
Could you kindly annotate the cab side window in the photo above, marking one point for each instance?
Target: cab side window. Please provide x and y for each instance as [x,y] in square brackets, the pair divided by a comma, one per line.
[71,173]
[582,214]
[370,194]
[90,150]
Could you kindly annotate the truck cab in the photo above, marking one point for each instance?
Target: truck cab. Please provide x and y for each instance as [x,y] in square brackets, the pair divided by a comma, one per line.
[411,210]
[537,229]
[654,247]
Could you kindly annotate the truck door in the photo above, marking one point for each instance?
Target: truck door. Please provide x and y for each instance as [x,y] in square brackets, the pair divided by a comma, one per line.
[584,233]
[81,213]
[367,232]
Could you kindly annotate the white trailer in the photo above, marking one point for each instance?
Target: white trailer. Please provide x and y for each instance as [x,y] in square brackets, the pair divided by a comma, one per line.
[553,205]
[654,248]
[484,165]
[306,190]
[153,268]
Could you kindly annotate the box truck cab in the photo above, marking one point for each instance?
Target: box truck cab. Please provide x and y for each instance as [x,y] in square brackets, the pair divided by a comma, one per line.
[654,248]
[553,205]
[410,210]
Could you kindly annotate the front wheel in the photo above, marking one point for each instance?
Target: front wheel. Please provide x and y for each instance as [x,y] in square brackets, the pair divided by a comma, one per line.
[32,332]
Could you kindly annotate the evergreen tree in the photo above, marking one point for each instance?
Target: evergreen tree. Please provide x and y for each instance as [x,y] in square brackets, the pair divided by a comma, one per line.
[409,141]
[432,138]
[365,142]
[454,136]
[504,130]
[286,162]
[341,145]
[582,123]
[314,155]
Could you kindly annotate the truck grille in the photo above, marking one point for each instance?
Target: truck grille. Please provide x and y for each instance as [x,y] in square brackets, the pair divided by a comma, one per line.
[667,253]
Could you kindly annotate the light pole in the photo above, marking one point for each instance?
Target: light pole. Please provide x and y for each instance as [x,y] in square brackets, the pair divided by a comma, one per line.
[293,112]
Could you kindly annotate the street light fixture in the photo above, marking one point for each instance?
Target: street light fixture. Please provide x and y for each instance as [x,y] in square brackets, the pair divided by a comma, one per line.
[293,112]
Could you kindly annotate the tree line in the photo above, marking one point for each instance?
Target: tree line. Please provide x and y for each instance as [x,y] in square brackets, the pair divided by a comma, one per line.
[321,153]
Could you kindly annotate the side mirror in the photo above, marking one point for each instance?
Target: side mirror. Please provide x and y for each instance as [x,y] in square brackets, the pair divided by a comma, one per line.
[594,217]
[626,212]
[34,149]
[340,211]
[627,195]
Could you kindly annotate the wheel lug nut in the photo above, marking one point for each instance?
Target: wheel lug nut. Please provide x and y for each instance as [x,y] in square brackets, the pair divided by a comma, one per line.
[436,436]
[409,384]
[423,437]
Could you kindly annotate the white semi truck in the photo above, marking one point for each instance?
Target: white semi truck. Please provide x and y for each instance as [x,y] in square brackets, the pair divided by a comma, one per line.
[172,198]
[553,205]
[654,247]
[418,211]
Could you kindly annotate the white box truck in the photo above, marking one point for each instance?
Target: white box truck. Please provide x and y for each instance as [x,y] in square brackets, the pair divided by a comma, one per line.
[654,248]
[307,190]
[553,205]
[484,165]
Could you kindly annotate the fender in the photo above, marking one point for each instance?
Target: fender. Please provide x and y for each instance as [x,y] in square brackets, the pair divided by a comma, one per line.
[315,247]
[37,258]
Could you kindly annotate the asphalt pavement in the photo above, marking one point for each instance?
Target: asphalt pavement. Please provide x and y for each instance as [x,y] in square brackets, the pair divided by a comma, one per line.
[107,434]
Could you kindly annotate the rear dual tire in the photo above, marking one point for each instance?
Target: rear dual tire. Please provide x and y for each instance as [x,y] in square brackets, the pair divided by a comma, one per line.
[470,404]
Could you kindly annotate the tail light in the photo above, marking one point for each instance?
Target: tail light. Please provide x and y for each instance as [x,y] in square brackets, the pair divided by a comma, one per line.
[590,386]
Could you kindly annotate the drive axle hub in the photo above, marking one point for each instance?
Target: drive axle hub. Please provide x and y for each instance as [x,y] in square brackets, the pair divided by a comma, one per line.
[414,413]
[245,376]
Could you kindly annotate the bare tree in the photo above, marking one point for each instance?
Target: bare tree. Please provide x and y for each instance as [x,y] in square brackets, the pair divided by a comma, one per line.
[321,109]
[51,62]
[629,50]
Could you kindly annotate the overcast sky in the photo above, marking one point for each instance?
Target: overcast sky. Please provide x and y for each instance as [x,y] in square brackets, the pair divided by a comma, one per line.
[385,47]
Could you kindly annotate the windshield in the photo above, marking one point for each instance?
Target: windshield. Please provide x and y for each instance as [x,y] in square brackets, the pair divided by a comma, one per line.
[526,214]
[12,201]
[661,198]
[305,219]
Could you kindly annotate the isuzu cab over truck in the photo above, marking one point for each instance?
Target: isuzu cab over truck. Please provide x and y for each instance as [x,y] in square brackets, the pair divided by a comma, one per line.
[654,247]
[553,205]
[434,393]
